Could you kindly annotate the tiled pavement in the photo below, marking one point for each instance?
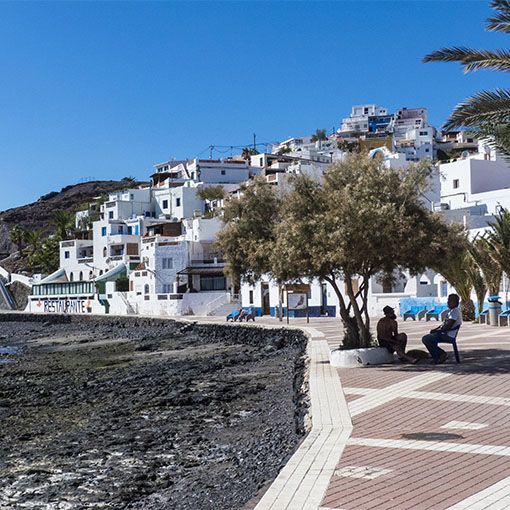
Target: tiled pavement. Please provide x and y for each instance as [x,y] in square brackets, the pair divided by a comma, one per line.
[423,436]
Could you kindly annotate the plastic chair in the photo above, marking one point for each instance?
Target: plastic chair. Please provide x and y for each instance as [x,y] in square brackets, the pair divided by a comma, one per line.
[443,338]
[233,316]
[504,315]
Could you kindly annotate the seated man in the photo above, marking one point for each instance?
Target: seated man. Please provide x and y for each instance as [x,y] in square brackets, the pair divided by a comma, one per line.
[453,319]
[389,337]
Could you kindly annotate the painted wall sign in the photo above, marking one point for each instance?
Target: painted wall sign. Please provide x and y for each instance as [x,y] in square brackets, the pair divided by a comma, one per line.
[65,306]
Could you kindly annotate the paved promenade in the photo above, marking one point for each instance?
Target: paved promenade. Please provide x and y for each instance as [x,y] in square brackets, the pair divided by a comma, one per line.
[403,436]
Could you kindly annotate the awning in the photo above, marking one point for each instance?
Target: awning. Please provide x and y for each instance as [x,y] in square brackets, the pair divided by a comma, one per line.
[112,272]
[203,270]
[58,276]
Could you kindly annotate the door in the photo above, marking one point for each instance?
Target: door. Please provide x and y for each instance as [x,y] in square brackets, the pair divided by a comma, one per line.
[266,308]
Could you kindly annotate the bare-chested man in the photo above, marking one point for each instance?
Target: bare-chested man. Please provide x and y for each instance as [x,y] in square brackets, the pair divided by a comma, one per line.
[389,337]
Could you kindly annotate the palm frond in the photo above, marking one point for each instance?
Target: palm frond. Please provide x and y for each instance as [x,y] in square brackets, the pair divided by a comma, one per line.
[486,106]
[472,60]
[501,21]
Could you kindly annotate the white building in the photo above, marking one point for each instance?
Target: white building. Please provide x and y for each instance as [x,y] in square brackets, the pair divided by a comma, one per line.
[365,118]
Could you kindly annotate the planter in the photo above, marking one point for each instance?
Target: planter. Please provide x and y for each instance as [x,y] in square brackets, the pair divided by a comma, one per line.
[358,357]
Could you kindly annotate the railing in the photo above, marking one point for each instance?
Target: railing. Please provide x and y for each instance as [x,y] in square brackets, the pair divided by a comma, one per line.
[84,260]
[115,257]
[66,244]
[122,234]
[216,303]
[207,262]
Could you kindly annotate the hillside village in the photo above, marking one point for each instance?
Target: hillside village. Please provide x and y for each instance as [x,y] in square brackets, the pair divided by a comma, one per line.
[150,249]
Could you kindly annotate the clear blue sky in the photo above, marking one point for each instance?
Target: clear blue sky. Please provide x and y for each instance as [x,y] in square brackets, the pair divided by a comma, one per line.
[106,90]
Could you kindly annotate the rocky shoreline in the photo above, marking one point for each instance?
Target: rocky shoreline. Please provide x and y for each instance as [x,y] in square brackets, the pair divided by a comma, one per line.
[145,413]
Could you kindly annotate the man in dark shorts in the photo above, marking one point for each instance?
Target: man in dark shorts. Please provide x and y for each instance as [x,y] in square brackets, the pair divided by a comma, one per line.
[389,337]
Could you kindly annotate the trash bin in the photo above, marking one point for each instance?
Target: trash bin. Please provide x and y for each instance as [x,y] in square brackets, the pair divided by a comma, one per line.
[494,310]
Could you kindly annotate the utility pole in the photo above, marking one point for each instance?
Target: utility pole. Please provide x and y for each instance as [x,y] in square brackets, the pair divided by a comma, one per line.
[254,144]
[210,151]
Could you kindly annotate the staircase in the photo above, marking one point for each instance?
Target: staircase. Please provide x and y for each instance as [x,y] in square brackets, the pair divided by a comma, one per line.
[5,297]
[224,309]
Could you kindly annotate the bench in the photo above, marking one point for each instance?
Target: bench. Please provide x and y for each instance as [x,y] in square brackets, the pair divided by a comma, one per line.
[438,312]
[415,311]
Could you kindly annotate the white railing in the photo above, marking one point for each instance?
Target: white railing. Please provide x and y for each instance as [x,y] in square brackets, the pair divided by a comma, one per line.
[216,303]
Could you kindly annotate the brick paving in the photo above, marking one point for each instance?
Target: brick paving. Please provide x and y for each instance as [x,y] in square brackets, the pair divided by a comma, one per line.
[424,436]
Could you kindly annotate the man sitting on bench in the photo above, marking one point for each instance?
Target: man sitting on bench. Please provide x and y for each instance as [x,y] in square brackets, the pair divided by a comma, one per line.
[389,337]
[452,320]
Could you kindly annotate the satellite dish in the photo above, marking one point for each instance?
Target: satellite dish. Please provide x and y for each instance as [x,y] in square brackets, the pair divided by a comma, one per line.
[464,155]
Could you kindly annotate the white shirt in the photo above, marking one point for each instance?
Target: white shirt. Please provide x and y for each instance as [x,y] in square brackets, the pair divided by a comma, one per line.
[456,315]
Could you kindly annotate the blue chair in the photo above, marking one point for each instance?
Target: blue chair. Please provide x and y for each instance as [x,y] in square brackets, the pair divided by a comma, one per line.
[504,315]
[415,311]
[436,312]
[233,316]
[483,317]
[443,338]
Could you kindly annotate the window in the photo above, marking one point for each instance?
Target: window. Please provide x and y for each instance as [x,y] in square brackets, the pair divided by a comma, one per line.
[167,288]
[251,297]
[426,150]
[165,204]
[131,196]
[223,172]
[146,288]
[71,277]
[121,229]
[168,263]
[103,231]
[455,183]
[177,202]
[66,254]
[424,133]
[91,274]
[212,283]
[130,230]
[81,276]
[110,215]
[261,161]
[147,214]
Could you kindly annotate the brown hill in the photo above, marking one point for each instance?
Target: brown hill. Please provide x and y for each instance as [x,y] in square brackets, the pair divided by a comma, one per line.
[37,216]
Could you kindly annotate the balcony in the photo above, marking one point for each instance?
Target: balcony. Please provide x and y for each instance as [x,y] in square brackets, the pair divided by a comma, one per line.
[85,260]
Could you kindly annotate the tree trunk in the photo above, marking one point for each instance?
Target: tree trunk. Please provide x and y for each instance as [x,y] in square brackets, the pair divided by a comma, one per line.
[467,308]
[364,331]
[349,324]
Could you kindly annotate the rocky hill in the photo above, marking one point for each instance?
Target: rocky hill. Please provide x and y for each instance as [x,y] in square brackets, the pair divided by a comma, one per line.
[37,216]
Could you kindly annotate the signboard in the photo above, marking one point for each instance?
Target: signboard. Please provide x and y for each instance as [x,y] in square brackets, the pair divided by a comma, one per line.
[65,306]
[297,299]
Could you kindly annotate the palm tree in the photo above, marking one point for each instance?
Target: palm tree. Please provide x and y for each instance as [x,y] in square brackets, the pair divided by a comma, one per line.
[34,240]
[482,254]
[64,223]
[476,275]
[17,236]
[319,136]
[456,273]
[487,113]
[499,240]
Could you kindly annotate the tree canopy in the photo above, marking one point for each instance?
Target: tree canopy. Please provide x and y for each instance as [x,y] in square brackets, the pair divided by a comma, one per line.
[359,220]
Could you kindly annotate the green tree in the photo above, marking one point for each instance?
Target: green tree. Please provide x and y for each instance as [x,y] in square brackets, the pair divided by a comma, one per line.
[476,274]
[319,136]
[34,240]
[487,113]
[359,220]
[499,240]
[210,194]
[456,271]
[63,221]
[48,257]
[18,236]
[482,253]
[248,235]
